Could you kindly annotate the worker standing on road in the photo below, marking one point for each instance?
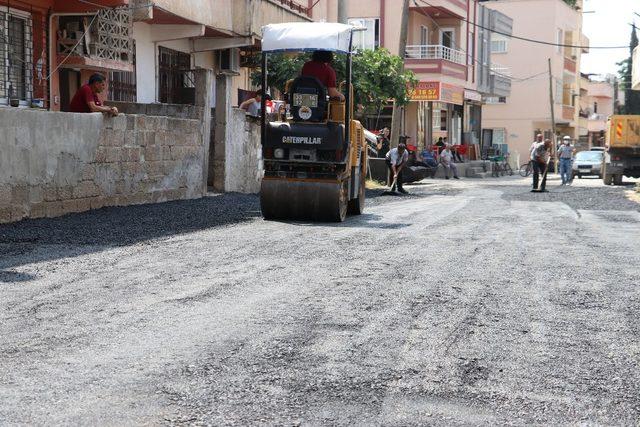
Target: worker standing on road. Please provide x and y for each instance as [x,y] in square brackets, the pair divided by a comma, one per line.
[539,161]
[565,153]
[396,160]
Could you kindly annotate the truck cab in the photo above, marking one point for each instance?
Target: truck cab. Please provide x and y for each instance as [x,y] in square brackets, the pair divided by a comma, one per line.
[622,155]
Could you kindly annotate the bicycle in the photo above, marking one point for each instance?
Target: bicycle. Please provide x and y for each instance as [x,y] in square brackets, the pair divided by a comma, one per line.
[500,165]
[526,169]
[497,165]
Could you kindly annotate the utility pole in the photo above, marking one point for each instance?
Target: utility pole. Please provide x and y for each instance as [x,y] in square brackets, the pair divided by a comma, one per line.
[553,118]
[342,11]
[396,118]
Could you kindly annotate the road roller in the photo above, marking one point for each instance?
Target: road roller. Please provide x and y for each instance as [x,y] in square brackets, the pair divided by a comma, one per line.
[315,154]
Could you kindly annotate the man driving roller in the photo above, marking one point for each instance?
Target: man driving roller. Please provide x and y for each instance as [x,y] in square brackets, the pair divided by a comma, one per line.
[320,68]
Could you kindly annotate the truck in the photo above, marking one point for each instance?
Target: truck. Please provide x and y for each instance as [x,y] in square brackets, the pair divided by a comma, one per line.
[622,156]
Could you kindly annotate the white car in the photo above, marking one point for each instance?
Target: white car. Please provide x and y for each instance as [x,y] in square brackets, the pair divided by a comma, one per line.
[587,163]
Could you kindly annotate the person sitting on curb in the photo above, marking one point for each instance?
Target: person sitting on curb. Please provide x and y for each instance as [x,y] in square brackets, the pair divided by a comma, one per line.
[446,158]
[86,99]
[396,160]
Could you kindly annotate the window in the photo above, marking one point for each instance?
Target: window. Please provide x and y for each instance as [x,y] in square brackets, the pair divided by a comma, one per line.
[595,108]
[499,44]
[559,92]
[448,38]
[122,86]
[472,47]
[559,41]
[175,78]
[368,39]
[424,35]
[495,100]
[16,56]
[498,136]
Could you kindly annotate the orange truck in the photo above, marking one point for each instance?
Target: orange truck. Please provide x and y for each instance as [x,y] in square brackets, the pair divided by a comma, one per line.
[622,156]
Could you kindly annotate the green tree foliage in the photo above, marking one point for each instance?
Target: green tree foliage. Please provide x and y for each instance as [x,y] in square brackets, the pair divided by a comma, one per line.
[632,97]
[377,76]
[571,3]
[624,71]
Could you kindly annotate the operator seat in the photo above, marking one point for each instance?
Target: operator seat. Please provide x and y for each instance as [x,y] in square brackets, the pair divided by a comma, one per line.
[303,91]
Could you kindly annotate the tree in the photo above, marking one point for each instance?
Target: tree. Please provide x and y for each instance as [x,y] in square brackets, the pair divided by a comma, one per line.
[377,76]
[624,70]
[632,97]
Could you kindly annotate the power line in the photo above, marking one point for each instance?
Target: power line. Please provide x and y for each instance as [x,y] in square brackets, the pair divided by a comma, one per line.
[526,38]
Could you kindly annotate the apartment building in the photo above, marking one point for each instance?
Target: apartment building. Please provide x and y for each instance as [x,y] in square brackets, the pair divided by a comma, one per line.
[442,50]
[596,105]
[147,49]
[527,110]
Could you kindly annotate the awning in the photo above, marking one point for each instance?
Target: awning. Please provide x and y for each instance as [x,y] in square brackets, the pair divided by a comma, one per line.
[306,36]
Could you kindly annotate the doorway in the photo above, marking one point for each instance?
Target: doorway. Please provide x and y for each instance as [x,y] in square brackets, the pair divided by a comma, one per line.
[69,85]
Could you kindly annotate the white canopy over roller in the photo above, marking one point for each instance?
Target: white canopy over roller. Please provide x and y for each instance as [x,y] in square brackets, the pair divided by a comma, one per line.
[306,36]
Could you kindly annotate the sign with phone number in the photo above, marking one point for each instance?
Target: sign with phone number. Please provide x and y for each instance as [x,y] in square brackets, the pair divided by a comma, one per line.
[437,91]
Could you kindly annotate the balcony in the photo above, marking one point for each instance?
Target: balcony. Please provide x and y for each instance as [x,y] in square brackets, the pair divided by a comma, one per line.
[444,8]
[600,89]
[435,52]
[569,65]
[568,112]
[98,42]
[584,42]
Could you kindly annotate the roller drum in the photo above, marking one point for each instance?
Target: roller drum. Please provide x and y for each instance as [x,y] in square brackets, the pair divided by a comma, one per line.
[303,200]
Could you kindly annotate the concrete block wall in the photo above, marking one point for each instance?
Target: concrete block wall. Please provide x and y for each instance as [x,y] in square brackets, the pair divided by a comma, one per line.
[243,153]
[169,110]
[56,163]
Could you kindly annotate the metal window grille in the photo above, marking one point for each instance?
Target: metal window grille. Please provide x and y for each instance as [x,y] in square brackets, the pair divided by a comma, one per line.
[176,78]
[122,86]
[16,56]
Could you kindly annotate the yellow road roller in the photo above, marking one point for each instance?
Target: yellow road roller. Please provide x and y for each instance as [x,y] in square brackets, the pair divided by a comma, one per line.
[315,155]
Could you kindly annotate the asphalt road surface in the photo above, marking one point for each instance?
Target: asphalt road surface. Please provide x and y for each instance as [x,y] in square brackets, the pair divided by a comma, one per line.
[466,303]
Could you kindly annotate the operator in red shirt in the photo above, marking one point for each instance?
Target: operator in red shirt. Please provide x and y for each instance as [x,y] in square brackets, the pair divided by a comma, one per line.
[319,68]
[86,98]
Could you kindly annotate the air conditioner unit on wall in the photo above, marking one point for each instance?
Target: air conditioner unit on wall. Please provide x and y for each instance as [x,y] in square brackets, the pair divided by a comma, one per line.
[229,61]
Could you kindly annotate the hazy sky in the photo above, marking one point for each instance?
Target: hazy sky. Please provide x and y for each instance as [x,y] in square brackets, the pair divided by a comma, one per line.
[608,26]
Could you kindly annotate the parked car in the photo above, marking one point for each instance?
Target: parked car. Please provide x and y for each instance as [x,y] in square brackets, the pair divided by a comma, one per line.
[587,163]
[597,149]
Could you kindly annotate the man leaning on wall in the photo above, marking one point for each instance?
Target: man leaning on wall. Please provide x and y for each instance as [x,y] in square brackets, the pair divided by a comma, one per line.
[86,99]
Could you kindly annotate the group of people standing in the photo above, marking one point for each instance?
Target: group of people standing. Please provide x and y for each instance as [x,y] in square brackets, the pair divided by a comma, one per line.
[540,156]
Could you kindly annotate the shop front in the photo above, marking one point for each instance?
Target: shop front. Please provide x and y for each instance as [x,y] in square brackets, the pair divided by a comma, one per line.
[435,111]
[472,130]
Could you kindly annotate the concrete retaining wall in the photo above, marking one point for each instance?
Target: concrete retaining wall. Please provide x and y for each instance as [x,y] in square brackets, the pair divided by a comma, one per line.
[56,163]
[169,110]
[243,153]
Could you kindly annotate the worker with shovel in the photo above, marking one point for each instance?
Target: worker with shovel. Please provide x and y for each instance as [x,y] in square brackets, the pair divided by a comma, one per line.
[396,160]
[540,162]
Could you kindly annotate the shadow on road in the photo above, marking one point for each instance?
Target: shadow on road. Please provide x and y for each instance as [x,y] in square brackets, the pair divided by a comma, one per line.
[30,241]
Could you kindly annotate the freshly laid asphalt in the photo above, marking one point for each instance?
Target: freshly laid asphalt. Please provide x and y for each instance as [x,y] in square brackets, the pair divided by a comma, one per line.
[471,302]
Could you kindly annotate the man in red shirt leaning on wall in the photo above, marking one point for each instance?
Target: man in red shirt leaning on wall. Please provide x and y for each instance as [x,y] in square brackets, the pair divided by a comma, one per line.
[86,98]
[319,68]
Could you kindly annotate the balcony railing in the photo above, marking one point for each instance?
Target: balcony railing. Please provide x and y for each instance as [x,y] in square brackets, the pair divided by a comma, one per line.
[567,112]
[500,70]
[436,51]
[569,65]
